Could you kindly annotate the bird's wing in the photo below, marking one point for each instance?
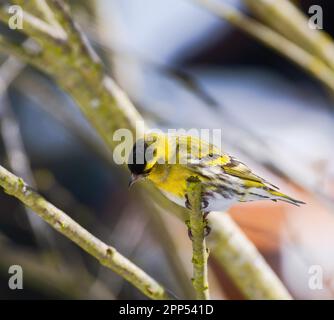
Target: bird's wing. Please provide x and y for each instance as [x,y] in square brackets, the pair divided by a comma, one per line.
[194,151]
[224,164]
[238,169]
[203,157]
[258,188]
[219,168]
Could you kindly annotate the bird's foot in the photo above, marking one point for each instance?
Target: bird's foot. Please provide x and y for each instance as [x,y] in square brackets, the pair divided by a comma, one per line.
[187,203]
[207,229]
[204,204]
[190,234]
[205,215]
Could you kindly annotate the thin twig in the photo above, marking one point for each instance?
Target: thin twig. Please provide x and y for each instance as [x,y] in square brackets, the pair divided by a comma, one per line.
[35,27]
[42,94]
[197,230]
[106,255]
[312,64]
[10,130]
[69,284]
[13,144]
[291,22]
[48,13]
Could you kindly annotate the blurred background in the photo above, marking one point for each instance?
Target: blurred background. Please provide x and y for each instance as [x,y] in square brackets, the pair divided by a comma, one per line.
[183,68]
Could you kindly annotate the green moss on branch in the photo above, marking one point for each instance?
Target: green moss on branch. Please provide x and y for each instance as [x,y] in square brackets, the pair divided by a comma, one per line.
[197,230]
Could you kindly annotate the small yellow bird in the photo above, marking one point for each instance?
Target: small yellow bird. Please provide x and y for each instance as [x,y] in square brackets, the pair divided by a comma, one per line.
[169,160]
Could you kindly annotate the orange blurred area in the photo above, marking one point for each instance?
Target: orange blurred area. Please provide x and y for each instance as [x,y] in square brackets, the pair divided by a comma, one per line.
[292,239]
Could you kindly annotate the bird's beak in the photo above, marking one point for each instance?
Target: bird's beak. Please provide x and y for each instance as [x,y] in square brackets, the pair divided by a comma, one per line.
[134,178]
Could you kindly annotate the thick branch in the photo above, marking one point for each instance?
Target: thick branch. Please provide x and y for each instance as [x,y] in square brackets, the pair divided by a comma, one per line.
[21,51]
[106,255]
[197,229]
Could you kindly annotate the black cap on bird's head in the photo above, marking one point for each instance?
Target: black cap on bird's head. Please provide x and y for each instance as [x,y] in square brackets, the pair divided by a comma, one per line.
[143,157]
[137,162]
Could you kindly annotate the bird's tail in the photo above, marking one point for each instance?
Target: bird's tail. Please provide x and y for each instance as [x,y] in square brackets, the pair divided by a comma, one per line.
[276,195]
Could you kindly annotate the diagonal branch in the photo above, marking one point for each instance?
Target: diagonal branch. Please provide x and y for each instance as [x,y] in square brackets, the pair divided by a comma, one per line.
[242,262]
[35,27]
[71,283]
[288,20]
[27,51]
[312,64]
[106,255]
